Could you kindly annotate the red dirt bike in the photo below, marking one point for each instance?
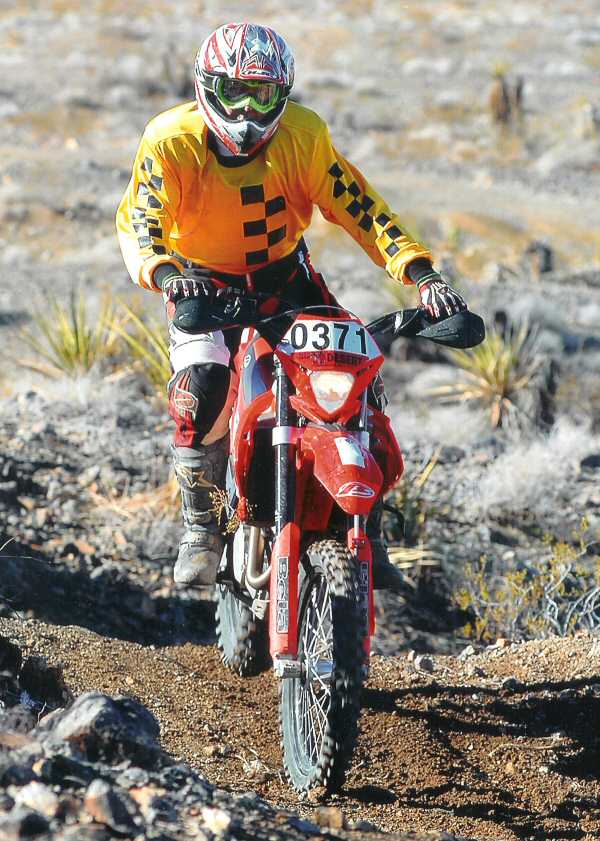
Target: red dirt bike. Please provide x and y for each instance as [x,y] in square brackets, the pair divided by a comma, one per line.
[311,452]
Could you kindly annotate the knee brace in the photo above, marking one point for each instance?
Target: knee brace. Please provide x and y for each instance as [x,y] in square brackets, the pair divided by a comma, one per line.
[200,401]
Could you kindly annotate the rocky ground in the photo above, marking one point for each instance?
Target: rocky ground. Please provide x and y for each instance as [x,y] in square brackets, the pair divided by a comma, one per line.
[493,745]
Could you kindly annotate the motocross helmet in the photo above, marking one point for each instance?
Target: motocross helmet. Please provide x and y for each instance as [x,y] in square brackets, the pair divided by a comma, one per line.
[243,75]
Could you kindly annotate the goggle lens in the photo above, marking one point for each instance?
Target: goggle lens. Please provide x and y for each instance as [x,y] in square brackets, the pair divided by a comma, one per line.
[235,94]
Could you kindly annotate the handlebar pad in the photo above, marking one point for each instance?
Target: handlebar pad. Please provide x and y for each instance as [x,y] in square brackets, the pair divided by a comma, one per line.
[463,330]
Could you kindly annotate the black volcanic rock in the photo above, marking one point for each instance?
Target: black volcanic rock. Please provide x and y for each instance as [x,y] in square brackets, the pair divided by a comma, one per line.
[97,726]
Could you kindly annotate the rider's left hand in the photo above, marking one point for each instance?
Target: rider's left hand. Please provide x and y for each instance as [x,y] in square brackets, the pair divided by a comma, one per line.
[438,298]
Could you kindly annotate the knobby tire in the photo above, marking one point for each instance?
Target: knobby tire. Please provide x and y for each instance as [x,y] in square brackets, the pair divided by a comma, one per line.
[329,588]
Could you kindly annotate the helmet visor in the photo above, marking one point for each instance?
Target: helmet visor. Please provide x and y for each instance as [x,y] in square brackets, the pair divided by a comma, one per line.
[234,93]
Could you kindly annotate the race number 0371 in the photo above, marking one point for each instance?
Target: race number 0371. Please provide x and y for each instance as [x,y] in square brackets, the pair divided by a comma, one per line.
[328,335]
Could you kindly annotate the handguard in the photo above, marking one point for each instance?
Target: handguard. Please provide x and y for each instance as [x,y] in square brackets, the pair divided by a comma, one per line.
[465,329]
[462,330]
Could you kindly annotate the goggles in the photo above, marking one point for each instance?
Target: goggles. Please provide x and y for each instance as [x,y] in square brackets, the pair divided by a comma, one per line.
[234,93]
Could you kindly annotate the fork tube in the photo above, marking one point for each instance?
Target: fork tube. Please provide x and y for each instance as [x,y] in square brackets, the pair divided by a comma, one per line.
[283,613]
[361,548]
[284,487]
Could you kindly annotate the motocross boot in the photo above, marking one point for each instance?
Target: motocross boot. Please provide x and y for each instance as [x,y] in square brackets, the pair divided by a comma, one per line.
[385,575]
[200,473]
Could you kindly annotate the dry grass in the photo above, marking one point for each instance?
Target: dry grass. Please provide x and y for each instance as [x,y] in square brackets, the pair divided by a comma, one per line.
[163,501]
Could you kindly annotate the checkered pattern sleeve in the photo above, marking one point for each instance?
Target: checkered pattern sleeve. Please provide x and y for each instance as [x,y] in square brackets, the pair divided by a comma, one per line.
[346,198]
[145,215]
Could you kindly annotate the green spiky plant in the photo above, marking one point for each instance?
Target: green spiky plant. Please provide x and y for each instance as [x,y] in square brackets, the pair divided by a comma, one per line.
[67,339]
[148,346]
[495,372]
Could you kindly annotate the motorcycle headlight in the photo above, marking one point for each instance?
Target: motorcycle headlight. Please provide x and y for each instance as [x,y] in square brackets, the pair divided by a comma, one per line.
[331,388]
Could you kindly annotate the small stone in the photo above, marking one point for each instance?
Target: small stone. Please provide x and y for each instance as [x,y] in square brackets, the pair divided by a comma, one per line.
[64,771]
[6,802]
[111,807]
[329,817]
[216,820]
[510,684]
[306,827]
[22,823]
[501,642]
[153,804]
[424,663]
[591,462]
[467,652]
[84,547]
[133,777]
[450,455]
[363,826]
[38,797]
[145,795]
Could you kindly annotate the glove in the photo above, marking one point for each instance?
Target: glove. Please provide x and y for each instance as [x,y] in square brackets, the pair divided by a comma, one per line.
[439,299]
[177,287]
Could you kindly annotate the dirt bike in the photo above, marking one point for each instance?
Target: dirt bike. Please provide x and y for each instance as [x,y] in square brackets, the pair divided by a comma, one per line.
[311,452]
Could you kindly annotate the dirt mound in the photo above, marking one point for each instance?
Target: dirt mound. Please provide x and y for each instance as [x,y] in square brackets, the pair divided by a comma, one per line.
[502,744]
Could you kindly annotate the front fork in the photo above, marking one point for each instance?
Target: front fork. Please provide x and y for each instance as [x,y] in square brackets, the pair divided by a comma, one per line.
[285,557]
[360,548]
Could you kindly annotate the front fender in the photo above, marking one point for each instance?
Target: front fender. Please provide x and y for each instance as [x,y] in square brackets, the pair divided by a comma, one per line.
[344,467]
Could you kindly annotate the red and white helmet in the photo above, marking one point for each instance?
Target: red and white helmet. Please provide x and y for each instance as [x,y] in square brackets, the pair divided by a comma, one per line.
[243,75]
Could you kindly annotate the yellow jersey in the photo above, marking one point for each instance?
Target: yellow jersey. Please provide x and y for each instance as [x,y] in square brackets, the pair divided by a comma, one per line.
[184,200]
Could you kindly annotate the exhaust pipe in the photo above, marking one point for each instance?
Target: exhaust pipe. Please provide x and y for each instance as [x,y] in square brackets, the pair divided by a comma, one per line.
[255,577]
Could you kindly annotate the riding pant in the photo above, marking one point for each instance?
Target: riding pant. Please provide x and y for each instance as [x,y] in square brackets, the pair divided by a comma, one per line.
[203,387]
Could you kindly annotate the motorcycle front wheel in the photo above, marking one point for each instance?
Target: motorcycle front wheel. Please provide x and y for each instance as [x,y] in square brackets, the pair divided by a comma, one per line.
[320,709]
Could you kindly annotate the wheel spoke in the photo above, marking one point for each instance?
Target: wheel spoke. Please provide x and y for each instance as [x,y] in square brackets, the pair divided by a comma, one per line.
[313,692]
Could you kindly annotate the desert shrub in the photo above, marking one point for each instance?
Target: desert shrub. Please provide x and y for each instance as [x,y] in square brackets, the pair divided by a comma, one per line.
[147,343]
[496,373]
[68,339]
[557,594]
[409,499]
[405,535]
[534,473]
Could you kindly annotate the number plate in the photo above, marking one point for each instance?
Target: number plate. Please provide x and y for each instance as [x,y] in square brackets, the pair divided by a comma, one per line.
[307,336]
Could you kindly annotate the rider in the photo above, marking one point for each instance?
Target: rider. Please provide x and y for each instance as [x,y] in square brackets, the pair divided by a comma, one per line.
[222,191]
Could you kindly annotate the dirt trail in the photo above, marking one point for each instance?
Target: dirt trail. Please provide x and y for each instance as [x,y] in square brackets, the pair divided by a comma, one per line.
[502,745]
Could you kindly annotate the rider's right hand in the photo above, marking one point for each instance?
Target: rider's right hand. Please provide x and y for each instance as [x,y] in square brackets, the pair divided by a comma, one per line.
[176,286]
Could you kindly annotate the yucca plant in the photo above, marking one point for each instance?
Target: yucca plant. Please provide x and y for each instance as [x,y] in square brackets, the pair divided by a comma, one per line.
[496,372]
[67,339]
[148,345]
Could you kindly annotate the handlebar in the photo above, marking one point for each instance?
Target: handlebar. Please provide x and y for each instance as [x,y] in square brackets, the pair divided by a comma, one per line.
[229,311]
